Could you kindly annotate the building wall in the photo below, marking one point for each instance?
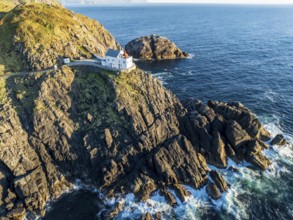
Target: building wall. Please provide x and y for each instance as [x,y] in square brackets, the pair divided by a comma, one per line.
[118,63]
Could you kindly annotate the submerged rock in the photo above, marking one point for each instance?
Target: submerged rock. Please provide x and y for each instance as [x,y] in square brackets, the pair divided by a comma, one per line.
[154,47]
[219,181]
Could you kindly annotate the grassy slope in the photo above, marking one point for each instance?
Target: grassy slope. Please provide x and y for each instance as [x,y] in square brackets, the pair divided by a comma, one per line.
[46,30]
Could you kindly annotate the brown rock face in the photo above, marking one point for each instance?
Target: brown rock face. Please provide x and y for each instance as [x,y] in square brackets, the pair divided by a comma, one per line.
[279,140]
[154,47]
[122,134]
[213,191]
[220,130]
[219,181]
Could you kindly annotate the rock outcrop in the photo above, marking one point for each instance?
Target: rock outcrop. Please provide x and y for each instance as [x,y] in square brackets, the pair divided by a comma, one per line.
[225,130]
[154,47]
[121,134]
[279,140]
[36,36]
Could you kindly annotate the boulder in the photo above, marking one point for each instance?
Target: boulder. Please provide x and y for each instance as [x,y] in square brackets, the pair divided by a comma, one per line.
[146,216]
[181,192]
[219,181]
[17,213]
[169,197]
[258,160]
[213,191]
[279,140]
[218,155]
[158,216]
[154,47]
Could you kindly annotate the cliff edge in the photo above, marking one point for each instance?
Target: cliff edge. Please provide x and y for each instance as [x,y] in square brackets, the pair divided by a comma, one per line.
[121,134]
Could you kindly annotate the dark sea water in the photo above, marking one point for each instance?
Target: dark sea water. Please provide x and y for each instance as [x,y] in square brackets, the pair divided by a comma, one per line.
[240,53]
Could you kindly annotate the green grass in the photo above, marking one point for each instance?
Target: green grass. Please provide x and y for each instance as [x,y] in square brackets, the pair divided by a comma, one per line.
[44,29]
[127,85]
[25,91]
[96,88]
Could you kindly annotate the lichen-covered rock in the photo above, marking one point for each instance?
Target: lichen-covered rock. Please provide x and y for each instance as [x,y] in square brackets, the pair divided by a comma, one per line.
[154,47]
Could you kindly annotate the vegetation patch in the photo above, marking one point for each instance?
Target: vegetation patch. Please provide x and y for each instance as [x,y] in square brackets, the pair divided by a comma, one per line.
[3,93]
[34,36]
[127,86]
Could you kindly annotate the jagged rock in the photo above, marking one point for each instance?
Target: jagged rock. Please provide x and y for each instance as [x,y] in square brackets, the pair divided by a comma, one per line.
[236,135]
[219,181]
[147,216]
[140,139]
[113,212]
[213,191]
[169,197]
[254,147]
[221,130]
[279,140]
[17,214]
[259,160]
[218,155]
[181,192]
[158,216]
[154,47]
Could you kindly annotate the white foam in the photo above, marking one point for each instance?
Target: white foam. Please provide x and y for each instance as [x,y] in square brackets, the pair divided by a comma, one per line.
[191,56]
[189,73]
[271,95]
[163,76]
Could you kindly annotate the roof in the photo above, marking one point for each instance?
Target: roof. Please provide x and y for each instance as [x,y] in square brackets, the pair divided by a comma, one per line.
[112,53]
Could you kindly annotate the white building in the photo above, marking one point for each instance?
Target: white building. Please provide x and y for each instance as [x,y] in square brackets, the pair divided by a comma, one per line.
[117,59]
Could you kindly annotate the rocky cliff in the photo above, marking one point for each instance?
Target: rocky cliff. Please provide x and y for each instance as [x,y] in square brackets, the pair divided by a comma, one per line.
[34,36]
[154,47]
[121,134]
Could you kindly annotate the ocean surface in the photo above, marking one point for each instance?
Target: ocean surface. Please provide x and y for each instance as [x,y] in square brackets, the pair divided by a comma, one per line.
[239,53]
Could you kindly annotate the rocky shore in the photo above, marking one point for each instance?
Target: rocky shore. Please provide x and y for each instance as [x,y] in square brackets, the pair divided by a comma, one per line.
[154,47]
[120,133]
